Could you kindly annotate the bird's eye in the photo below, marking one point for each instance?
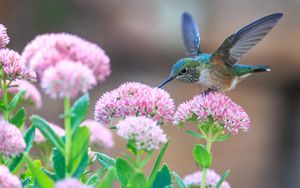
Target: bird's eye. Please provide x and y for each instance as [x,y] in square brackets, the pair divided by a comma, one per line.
[183,71]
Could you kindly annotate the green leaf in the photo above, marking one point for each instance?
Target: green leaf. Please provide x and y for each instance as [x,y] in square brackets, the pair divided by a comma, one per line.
[16,100]
[106,161]
[43,180]
[49,174]
[19,118]
[130,159]
[58,164]
[48,132]
[79,111]
[147,159]
[138,180]
[124,171]
[79,148]
[82,166]
[179,181]
[201,156]
[193,117]
[26,182]
[92,180]
[29,137]
[131,147]
[224,176]
[108,179]
[28,173]
[222,138]
[156,165]
[16,162]
[197,135]
[163,178]
[2,106]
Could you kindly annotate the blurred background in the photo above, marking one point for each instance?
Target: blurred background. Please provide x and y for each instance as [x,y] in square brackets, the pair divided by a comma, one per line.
[143,40]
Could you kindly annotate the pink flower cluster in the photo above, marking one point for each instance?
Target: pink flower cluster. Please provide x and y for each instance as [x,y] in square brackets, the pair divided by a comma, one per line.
[4,39]
[10,61]
[67,78]
[220,107]
[48,49]
[135,99]
[32,95]
[39,137]
[12,66]
[145,132]
[87,61]
[212,178]
[7,179]
[11,140]
[70,183]
[100,135]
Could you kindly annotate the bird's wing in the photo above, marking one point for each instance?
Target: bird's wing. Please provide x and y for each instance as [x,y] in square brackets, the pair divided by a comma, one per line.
[237,44]
[190,35]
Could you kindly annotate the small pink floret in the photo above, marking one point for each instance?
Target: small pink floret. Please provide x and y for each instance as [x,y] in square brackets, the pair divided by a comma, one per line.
[4,39]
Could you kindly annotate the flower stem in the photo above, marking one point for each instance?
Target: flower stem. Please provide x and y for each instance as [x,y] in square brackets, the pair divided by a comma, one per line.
[5,101]
[138,161]
[68,131]
[1,160]
[203,181]
[209,141]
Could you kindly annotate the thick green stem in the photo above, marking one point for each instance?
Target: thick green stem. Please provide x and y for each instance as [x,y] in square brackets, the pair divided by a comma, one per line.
[68,129]
[209,141]
[5,100]
[1,160]
[138,161]
[203,181]
[4,86]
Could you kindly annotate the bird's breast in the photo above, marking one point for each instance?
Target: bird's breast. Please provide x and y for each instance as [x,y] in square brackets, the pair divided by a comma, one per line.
[205,78]
[218,78]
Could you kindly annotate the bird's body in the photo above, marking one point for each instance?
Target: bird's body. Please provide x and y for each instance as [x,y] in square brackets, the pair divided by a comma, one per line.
[213,74]
[220,70]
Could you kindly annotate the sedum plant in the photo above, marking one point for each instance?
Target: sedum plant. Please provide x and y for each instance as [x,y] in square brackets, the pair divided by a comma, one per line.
[217,118]
[142,110]
[67,66]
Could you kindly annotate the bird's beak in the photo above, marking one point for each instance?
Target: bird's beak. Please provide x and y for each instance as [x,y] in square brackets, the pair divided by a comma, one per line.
[165,82]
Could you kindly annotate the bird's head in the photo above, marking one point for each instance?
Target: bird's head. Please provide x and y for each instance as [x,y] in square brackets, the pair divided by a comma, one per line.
[186,70]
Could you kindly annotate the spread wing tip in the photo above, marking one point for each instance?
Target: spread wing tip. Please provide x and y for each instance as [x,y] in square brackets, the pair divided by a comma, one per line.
[190,34]
[186,15]
[271,19]
[277,15]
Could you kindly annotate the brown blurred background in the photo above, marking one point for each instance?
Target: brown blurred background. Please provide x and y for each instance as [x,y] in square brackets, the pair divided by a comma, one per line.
[143,40]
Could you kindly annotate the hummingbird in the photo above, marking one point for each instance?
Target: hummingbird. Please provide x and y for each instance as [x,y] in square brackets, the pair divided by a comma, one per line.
[219,71]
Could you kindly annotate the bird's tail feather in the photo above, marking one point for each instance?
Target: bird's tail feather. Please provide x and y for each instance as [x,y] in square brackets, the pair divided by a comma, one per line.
[261,68]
